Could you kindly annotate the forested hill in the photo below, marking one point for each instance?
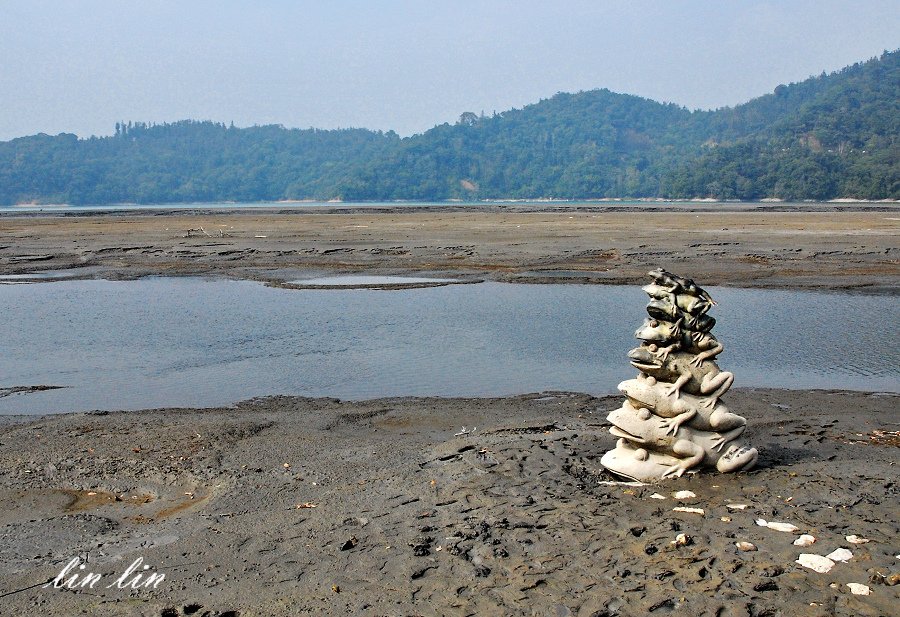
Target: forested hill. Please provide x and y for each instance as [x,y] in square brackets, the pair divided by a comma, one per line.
[830,136]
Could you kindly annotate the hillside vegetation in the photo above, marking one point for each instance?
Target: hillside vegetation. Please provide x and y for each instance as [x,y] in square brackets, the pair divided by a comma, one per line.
[830,136]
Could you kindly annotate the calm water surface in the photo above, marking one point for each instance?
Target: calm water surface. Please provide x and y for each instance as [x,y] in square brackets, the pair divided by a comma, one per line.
[194,342]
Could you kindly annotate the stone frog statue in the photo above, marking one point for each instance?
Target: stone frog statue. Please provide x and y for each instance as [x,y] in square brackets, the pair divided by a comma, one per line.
[656,333]
[673,419]
[679,285]
[660,331]
[665,309]
[644,436]
[642,392]
[683,371]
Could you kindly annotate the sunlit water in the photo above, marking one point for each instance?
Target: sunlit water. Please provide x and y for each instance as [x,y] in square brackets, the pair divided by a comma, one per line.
[194,342]
[50,274]
[369,281]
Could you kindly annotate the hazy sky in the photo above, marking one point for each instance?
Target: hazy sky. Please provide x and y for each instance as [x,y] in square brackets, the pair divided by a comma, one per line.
[79,66]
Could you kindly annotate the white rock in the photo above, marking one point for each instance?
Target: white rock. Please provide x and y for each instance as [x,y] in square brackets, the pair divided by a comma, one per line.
[685,495]
[777,526]
[745,546]
[815,562]
[657,496]
[736,506]
[804,540]
[682,540]
[840,554]
[689,510]
[859,590]
[857,540]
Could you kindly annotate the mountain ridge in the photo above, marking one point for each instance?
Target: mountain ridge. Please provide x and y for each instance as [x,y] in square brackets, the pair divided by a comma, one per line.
[830,136]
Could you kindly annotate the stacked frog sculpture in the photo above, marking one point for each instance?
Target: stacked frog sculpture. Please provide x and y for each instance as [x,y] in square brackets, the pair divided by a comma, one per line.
[674,420]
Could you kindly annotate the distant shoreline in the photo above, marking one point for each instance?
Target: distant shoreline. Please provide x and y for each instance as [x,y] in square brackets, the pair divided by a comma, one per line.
[447,202]
[525,205]
[820,246]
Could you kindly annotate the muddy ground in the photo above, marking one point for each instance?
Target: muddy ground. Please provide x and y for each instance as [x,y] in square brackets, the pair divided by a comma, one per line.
[798,246]
[285,506]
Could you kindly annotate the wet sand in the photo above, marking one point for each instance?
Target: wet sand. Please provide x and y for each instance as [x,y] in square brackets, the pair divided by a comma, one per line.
[285,506]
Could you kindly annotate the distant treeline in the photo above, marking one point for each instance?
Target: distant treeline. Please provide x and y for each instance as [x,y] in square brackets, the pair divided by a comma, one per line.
[830,136]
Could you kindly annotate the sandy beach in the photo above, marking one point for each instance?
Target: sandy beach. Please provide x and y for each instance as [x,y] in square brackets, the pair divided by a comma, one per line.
[286,505]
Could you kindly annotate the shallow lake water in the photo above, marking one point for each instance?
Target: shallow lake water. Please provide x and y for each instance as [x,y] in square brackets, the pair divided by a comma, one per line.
[195,342]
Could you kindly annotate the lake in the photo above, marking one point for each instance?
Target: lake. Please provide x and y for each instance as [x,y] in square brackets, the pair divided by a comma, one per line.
[195,342]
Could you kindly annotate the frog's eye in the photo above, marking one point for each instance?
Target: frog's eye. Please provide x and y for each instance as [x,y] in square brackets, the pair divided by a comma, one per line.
[653,323]
[643,413]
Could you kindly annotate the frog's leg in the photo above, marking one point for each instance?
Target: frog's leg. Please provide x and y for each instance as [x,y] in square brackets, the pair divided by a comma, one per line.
[675,388]
[664,352]
[700,307]
[693,456]
[715,385]
[701,357]
[673,424]
[722,419]
[722,438]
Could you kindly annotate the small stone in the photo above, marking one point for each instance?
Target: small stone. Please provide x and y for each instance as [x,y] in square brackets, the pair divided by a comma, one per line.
[685,495]
[859,590]
[699,511]
[817,563]
[804,540]
[745,546]
[787,527]
[725,519]
[857,540]
[840,554]
[682,540]
[657,496]
[736,506]
[893,579]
